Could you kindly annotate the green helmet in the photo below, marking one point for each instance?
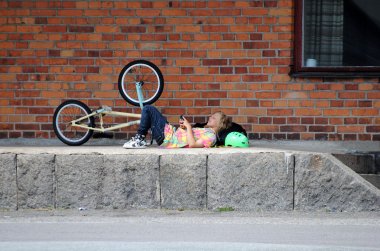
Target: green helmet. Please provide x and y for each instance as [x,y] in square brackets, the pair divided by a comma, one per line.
[236,139]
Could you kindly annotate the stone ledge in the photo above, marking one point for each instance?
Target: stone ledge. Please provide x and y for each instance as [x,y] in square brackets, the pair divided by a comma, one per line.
[250,182]
[321,182]
[242,179]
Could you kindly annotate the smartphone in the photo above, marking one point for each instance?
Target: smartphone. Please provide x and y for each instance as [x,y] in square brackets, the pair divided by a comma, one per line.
[181,117]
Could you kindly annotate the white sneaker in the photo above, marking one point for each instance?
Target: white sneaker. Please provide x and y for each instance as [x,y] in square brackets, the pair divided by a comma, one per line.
[136,142]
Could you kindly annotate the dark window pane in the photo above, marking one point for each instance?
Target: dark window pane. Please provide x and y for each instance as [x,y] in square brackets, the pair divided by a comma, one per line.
[361,44]
[323,32]
[341,33]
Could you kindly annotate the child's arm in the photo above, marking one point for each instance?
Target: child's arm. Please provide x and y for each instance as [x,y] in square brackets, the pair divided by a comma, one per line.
[190,137]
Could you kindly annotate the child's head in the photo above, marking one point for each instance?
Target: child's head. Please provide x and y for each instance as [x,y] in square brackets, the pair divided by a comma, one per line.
[218,121]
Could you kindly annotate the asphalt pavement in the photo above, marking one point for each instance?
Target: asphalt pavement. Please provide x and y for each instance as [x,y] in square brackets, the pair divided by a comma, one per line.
[95,230]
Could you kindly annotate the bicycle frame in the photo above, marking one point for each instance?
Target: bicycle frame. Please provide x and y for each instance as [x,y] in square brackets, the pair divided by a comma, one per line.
[102,112]
[105,110]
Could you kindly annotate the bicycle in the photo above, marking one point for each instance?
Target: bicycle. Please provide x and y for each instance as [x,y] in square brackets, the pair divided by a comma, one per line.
[140,83]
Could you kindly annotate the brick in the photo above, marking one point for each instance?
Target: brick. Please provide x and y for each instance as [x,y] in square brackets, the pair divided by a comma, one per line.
[214,94]
[350,103]
[187,28]
[321,128]
[350,121]
[336,103]
[293,136]
[307,120]
[365,103]
[280,112]
[30,127]
[268,95]
[7,61]
[365,112]
[133,29]
[226,70]
[69,13]
[81,29]
[213,102]
[269,53]
[96,13]
[252,103]
[308,112]
[177,45]
[350,129]
[228,45]
[265,128]
[293,120]
[293,128]
[280,61]
[266,103]
[265,120]
[255,78]
[147,13]
[351,86]
[241,70]
[255,45]
[270,3]
[322,95]
[351,95]
[336,112]
[373,95]
[174,12]
[40,110]
[295,95]
[366,87]
[83,94]
[214,62]
[375,129]
[277,120]
[81,61]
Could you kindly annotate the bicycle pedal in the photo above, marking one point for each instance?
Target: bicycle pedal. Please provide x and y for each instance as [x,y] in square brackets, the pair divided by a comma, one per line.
[102,135]
[107,108]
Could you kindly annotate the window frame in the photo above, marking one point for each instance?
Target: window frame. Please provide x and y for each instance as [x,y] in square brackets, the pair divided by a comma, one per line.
[298,70]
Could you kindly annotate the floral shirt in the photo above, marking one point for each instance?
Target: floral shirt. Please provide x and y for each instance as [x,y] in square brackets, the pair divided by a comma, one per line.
[176,138]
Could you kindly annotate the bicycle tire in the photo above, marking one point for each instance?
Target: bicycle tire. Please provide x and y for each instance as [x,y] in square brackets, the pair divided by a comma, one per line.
[66,112]
[151,77]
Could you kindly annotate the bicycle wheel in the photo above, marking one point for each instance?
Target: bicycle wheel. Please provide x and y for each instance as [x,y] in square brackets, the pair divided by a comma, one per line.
[145,73]
[65,113]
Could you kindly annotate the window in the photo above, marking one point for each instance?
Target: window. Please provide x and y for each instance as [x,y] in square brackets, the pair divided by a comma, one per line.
[337,38]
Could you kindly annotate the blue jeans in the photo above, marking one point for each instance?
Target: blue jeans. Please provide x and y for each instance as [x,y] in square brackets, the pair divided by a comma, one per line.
[151,118]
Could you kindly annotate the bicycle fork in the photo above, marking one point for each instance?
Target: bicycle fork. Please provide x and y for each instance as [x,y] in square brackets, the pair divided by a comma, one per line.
[140,95]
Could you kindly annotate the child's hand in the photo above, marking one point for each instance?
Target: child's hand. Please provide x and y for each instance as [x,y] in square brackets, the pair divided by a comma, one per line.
[186,123]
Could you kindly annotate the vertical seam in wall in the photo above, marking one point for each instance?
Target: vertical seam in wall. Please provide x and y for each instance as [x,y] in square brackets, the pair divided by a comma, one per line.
[55,183]
[100,183]
[159,180]
[294,180]
[206,181]
[17,194]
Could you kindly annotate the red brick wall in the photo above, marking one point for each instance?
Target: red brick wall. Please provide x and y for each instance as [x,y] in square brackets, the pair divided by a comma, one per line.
[233,56]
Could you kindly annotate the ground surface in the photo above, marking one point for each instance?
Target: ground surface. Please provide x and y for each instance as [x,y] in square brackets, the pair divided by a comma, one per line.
[115,146]
[187,230]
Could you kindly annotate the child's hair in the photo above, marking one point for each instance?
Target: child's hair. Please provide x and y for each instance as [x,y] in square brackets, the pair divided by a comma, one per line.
[224,122]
